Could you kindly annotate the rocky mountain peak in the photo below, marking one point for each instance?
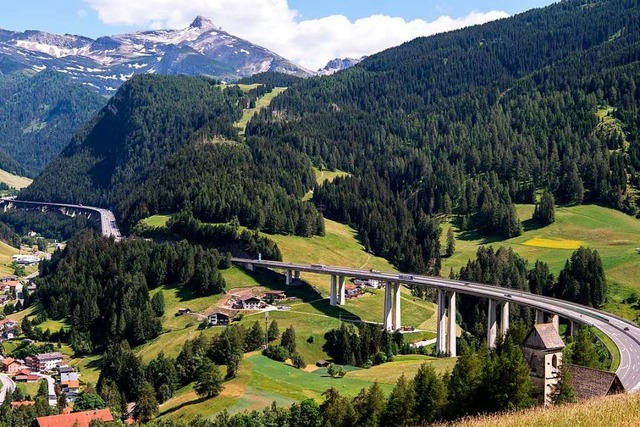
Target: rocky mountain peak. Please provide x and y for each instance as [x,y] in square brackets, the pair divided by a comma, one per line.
[203,23]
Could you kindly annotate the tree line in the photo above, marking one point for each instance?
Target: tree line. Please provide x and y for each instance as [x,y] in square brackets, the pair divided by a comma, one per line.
[582,280]
[102,288]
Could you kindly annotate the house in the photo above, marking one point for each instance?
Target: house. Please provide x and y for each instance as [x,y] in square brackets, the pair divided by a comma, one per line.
[44,361]
[9,286]
[323,363]
[588,382]
[7,335]
[70,387]
[543,353]
[67,373]
[275,296]
[80,419]
[11,366]
[5,279]
[25,259]
[25,376]
[218,318]
[353,291]
[8,324]
[252,303]
[183,311]
[3,299]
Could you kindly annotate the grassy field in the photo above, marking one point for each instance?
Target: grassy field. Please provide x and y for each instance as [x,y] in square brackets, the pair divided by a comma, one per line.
[323,176]
[15,181]
[408,365]
[157,220]
[6,251]
[612,411]
[613,234]
[260,382]
[30,389]
[261,103]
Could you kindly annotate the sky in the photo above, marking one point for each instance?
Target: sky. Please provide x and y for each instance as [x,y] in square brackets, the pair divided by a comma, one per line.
[308,32]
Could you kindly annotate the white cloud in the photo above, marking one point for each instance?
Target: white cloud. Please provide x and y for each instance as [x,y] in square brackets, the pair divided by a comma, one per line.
[82,13]
[274,25]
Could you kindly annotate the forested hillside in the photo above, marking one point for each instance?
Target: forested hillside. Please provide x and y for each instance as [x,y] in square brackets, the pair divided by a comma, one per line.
[472,121]
[167,144]
[467,122]
[39,112]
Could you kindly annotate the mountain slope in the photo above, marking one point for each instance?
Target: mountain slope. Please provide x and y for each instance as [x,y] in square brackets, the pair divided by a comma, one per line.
[105,63]
[470,121]
[168,144]
[39,112]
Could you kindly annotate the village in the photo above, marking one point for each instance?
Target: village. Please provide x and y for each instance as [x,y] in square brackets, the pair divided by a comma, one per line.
[231,307]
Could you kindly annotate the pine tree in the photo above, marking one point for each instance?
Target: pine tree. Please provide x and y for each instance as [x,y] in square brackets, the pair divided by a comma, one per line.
[288,339]
[464,383]
[430,394]
[157,304]
[146,404]
[583,351]
[401,401]
[274,331]
[209,380]
[254,338]
[545,212]
[369,404]
[451,242]
[337,410]
[564,393]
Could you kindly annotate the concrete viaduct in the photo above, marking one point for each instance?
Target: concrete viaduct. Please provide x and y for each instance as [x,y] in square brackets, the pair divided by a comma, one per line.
[625,334]
[107,220]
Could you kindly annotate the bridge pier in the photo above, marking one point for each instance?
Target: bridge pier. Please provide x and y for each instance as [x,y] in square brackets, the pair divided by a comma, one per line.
[333,298]
[539,316]
[573,328]
[288,279]
[440,325]
[451,335]
[492,324]
[296,275]
[341,291]
[388,303]
[249,266]
[396,318]
[504,324]
[555,319]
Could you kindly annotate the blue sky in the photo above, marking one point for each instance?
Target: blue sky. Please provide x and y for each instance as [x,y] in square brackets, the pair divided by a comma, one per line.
[309,32]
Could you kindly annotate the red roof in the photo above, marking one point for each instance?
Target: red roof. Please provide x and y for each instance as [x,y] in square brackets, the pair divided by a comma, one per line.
[71,384]
[83,418]
[27,378]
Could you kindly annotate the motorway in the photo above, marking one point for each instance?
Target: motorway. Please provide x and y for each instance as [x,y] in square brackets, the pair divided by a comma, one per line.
[6,384]
[625,334]
[108,223]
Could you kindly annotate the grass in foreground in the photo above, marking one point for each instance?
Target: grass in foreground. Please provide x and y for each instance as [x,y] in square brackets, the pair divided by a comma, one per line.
[611,411]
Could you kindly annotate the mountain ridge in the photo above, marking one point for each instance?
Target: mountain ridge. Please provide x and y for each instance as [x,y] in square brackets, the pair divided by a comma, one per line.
[105,63]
